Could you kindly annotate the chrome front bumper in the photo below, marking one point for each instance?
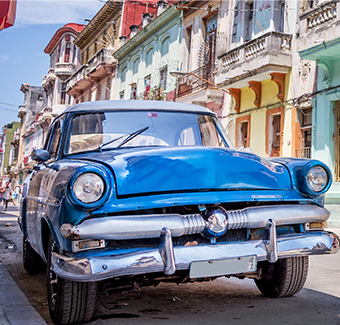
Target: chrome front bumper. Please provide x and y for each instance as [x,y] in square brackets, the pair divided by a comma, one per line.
[150,226]
[169,259]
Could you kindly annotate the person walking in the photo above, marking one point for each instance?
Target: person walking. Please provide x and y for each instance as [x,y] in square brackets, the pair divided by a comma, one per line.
[7,195]
[2,190]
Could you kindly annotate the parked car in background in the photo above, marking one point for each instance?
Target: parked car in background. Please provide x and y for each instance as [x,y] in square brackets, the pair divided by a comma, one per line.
[137,192]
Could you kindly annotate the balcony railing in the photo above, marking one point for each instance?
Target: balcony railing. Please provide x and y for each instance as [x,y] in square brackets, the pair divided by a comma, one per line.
[188,84]
[270,48]
[303,152]
[64,70]
[79,75]
[320,15]
[102,56]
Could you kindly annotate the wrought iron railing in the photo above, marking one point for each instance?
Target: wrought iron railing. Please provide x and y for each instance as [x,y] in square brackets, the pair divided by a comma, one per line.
[190,83]
[303,152]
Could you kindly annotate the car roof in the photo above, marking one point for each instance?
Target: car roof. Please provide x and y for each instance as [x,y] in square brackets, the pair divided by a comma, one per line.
[149,105]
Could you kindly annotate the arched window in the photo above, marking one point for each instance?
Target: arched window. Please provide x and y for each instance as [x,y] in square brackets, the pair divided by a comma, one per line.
[67,52]
[135,66]
[149,57]
[165,46]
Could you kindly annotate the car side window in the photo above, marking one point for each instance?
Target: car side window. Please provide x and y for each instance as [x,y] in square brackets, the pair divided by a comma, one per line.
[55,136]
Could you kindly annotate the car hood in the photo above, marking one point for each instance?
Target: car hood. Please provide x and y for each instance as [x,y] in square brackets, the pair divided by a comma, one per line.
[187,169]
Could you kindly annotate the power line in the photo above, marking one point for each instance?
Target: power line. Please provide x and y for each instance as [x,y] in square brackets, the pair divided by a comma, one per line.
[8,109]
[9,104]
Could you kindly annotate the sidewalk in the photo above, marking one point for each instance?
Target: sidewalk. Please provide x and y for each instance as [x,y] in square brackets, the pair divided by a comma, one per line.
[15,307]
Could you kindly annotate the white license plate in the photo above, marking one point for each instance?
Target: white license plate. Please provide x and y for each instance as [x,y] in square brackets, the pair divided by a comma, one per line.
[201,269]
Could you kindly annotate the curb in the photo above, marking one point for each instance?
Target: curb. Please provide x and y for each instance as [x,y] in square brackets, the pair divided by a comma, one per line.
[15,307]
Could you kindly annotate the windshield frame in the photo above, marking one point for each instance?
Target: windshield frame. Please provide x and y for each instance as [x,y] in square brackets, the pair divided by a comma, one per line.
[67,131]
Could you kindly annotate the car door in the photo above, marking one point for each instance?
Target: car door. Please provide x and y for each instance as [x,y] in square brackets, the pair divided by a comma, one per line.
[38,190]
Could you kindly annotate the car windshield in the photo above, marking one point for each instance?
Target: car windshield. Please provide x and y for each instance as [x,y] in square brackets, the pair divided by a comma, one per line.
[110,130]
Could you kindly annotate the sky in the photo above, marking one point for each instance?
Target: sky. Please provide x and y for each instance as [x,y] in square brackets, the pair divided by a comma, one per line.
[22,57]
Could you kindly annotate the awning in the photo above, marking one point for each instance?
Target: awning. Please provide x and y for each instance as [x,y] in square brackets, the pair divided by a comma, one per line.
[7,13]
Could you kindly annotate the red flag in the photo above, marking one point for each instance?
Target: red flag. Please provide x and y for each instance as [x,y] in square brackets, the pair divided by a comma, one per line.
[7,13]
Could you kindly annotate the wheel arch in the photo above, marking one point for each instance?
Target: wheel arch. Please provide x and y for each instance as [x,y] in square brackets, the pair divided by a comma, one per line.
[46,230]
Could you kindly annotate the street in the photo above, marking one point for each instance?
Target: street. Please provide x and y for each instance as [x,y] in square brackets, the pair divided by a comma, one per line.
[223,301]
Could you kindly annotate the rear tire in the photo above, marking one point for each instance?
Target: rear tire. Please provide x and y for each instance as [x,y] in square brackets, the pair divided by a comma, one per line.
[31,260]
[69,302]
[284,278]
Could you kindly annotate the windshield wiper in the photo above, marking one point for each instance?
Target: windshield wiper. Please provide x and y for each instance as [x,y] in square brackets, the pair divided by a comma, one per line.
[132,135]
[129,137]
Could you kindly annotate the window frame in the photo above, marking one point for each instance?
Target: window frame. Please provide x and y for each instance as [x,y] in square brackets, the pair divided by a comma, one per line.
[239,121]
[269,114]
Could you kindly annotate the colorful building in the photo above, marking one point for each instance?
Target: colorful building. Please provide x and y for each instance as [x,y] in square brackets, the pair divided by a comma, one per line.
[95,78]
[199,45]
[32,120]
[148,53]
[64,62]
[319,47]
[7,156]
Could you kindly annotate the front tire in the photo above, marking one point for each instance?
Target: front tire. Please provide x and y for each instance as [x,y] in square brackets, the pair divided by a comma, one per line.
[284,278]
[69,302]
[31,259]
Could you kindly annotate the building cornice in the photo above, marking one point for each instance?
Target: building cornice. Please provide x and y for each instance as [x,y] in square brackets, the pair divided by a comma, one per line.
[96,22]
[147,32]
[68,28]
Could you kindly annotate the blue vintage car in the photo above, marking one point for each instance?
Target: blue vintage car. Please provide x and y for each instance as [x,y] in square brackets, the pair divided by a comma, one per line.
[144,191]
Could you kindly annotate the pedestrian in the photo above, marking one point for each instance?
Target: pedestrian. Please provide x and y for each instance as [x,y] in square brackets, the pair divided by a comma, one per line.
[7,195]
[2,190]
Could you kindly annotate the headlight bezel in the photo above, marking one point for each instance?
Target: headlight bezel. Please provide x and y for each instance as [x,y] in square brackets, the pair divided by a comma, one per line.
[89,170]
[305,182]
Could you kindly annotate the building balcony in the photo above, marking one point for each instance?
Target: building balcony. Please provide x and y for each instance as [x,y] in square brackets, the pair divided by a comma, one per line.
[79,82]
[320,23]
[319,30]
[64,70]
[190,84]
[98,67]
[101,64]
[255,60]
[22,111]
[49,78]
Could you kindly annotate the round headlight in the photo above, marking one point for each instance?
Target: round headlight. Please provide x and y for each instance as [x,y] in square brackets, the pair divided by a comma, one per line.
[317,179]
[88,188]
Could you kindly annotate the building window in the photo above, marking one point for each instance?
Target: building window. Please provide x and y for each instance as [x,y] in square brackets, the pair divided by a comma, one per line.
[67,52]
[189,44]
[210,40]
[147,82]
[243,132]
[63,94]
[305,119]
[133,94]
[74,54]
[165,47]
[149,58]
[108,89]
[249,18]
[99,92]
[163,77]
[336,137]
[274,132]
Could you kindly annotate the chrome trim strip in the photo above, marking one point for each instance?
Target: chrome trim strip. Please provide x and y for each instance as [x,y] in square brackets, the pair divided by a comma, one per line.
[150,226]
[42,200]
[134,226]
[150,260]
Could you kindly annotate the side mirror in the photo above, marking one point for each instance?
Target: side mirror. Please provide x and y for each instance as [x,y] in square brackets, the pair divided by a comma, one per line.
[40,155]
